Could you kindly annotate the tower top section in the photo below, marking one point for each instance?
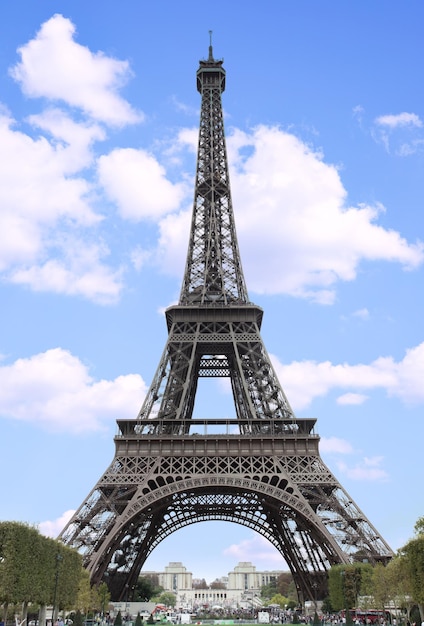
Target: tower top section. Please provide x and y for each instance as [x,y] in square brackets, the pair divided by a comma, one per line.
[211,71]
[213,274]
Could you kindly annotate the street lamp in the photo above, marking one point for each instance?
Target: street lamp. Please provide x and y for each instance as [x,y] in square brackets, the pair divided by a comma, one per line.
[59,558]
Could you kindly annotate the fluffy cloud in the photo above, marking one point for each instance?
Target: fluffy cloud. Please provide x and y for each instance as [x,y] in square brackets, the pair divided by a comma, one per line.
[297,236]
[305,380]
[331,445]
[401,119]
[137,183]
[55,390]
[52,528]
[80,275]
[366,469]
[54,66]
[46,214]
[352,398]
[47,195]
[400,134]
[256,550]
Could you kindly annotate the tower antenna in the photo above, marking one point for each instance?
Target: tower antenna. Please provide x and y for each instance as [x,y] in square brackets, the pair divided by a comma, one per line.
[210,46]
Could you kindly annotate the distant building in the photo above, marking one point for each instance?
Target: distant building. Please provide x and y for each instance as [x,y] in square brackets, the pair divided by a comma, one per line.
[242,587]
[246,577]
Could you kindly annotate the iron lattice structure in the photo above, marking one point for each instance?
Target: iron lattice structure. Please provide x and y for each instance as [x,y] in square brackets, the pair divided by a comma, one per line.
[261,469]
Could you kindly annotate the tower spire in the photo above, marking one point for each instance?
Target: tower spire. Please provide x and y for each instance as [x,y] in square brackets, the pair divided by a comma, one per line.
[210,59]
[213,272]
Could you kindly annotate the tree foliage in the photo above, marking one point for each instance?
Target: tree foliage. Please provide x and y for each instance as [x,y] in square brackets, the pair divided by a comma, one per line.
[36,569]
[419,526]
[146,588]
[103,596]
[269,590]
[381,590]
[279,599]
[78,619]
[347,582]
[400,583]
[167,598]
[286,586]
[413,553]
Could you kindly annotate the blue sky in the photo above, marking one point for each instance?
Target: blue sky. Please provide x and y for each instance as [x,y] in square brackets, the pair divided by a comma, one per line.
[325,134]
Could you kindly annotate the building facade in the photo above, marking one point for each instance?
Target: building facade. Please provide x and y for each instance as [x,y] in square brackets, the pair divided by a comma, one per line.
[242,587]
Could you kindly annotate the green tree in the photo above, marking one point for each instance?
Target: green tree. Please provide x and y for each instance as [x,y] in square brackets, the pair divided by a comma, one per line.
[413,552]
[146,588]
[286,586]
[138,620]
[347,582]
[18,562]
[279,599]
[36,569]
[419,526]
[381,588]
[269,590]
[104,597]
[399,580]
[327,607]
[118,619]
[167,598]
[84,597]
[78,619]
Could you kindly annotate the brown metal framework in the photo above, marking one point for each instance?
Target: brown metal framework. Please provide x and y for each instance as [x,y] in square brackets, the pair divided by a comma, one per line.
[261,469]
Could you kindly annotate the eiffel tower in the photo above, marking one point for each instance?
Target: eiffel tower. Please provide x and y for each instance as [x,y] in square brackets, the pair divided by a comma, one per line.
[261,469]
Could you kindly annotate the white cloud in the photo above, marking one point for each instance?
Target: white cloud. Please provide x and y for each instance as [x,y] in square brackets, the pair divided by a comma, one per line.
[137,183]
[54,390]
[54,66]
[174,228]
[45,214]
[290,206]
[399,133]
[362,313]
[76,137]
[334,445]
[303,381]
[140,257]
[297,236]
[54,527]
[256,550]
[366,470]
[74,277]
[35,181]
[352,398]
[47,196]
[401,119]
